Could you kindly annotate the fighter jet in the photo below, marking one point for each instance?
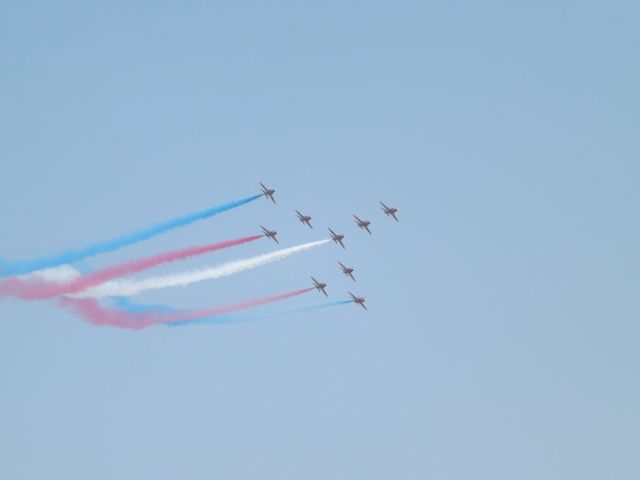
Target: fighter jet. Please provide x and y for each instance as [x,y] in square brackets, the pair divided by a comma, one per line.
[348,271]
[319,286]
[358,300]
[304,219]
[270,234]
[363,224]
[267,192]
[337,238]
[389,211]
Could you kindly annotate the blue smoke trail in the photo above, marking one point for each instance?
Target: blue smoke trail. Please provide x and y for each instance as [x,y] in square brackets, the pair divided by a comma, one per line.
[21,267]
[124,303]
[226,319]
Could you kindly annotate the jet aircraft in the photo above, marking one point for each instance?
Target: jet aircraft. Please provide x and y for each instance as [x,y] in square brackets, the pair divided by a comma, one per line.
[267,192]
[389,211]
[304,219]
[363,224]
[319,286]
[358,300]
[348,271]
[337,238]
[270,234]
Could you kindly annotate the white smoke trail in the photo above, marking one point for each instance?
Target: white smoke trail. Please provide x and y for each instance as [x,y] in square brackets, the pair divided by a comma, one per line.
[129,288]
[61,274]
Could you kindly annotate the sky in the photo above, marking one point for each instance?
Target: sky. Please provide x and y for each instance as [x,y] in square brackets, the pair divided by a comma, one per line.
[502,331]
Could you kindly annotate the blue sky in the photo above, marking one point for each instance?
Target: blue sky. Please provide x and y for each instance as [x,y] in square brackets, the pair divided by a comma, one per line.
[501,340]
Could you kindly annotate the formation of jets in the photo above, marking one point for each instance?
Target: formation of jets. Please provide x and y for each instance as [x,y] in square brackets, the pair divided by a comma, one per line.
[336,237]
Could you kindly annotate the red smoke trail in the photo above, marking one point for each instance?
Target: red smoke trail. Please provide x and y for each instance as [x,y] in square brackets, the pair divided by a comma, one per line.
[17,287]
[90,310]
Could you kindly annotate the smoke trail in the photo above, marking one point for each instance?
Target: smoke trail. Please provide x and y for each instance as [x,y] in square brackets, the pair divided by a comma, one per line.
[128,288]
[124,303]
[20,288]
[224,319]
[20,267]
[61,274]
[91,311]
